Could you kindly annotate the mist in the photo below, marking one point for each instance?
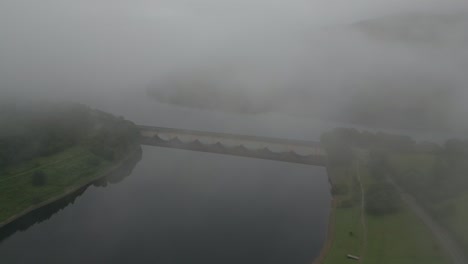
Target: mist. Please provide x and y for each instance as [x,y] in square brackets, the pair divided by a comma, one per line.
[365,62]
[233,131]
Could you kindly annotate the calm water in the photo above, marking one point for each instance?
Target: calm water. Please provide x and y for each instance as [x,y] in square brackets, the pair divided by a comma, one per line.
[177,207]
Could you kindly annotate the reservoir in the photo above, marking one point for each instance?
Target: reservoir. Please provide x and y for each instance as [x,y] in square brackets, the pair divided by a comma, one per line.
[180,207]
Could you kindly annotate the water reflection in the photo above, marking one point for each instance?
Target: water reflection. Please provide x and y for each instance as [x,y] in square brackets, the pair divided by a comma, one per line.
[184,207]
[46,212]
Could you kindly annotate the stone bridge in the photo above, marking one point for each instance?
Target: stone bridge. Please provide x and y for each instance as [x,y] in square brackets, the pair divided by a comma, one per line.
[287,150]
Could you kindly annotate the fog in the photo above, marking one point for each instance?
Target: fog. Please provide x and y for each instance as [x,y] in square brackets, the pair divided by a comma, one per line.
[397,64]
[285,73]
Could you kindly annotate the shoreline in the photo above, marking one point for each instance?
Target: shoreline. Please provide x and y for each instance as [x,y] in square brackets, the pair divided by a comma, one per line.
[330,235]
[70,190]
[330,230]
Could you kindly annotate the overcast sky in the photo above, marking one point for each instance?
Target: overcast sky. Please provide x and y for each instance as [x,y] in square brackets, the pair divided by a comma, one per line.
[292,54]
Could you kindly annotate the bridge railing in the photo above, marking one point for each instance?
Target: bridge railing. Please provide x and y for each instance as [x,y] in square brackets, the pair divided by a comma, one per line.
[295,142]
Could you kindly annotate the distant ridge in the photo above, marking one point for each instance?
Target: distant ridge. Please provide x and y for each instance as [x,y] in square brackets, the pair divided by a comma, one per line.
[419,28]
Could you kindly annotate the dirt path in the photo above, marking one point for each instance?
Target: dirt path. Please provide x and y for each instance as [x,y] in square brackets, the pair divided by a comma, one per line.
[449,245]
[363,212]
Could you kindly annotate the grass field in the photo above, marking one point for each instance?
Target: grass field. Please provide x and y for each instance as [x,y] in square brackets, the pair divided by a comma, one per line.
[343,244]
[399,238]
[64,171]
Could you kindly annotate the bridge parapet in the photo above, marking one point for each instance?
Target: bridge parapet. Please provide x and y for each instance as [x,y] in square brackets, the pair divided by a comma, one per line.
[316,155]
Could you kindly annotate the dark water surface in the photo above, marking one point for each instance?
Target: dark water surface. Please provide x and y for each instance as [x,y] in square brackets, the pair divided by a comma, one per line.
[179,207]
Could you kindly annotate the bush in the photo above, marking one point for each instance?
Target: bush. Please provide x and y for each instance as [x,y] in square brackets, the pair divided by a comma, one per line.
[39,178]
[378,164]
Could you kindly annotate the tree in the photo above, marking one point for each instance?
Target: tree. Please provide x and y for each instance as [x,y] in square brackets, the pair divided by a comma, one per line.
[382,199]
[340,155]
[378,164]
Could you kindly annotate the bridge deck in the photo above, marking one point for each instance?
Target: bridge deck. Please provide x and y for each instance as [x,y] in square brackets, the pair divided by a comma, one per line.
[294,142]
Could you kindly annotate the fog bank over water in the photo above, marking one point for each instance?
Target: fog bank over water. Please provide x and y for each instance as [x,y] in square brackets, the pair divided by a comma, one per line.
[399,64]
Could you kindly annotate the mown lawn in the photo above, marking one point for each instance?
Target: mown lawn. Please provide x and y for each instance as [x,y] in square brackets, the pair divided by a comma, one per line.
[64,171]
[347,219]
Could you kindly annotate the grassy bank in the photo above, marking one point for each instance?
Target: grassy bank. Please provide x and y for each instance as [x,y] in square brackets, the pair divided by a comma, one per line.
[399,237]
[347,230]
[64,171]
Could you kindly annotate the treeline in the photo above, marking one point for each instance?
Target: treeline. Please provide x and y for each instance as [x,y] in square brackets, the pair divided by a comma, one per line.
[381,196]
[364,139]
[446,176]
[43,129]
[340,143]
[432,172]
[112,137]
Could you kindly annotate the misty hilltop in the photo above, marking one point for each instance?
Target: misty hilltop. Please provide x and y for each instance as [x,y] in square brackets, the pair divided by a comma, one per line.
[419,28]
[399,63]
[399,71]
[223,89]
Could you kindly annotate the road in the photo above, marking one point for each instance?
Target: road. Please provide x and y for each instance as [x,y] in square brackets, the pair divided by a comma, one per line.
[449,245]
